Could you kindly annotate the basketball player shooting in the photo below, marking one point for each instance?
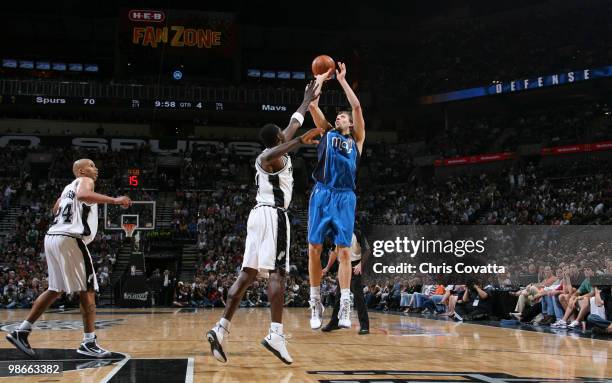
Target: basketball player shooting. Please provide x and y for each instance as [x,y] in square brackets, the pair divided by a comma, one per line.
[331,211]
[266,252]
[69,263]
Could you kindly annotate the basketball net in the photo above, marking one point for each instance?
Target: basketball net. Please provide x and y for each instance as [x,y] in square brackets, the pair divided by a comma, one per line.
[128,228]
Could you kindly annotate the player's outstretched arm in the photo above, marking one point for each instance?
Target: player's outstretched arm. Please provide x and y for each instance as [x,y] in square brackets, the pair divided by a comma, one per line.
[358,121]
[297,119]
[278,151]
[85,193]
[317,115]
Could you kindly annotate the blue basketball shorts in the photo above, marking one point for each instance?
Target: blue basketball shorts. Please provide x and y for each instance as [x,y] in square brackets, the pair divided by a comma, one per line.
[331,214]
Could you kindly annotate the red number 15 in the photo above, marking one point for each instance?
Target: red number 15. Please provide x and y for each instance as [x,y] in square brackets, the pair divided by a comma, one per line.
[133,180]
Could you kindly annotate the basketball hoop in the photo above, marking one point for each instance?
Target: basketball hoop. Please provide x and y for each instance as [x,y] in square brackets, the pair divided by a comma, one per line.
[128,228]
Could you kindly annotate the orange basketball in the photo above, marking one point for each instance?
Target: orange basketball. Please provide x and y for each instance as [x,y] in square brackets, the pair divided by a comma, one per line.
[321,64]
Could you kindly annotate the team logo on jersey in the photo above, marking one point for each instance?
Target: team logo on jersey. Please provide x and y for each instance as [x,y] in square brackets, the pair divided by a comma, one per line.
[343,145]
[70,194]
[281,255]
[60,324]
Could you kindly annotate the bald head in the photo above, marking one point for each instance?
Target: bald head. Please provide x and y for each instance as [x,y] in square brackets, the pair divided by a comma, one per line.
[84,168]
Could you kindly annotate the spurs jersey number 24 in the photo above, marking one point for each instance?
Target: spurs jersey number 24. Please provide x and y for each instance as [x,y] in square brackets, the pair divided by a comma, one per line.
[274,189]
[75,218]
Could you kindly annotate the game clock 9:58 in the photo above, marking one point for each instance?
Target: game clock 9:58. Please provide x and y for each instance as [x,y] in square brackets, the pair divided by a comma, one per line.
[165,104]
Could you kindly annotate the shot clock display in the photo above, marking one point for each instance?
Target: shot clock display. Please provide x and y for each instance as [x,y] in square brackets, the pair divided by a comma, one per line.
[134,178]
[137,179]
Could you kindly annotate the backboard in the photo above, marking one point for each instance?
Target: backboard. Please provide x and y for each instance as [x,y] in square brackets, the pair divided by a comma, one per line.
[141,213]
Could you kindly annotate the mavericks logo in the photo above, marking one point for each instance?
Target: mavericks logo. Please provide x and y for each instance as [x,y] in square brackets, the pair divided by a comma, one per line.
[342,144]
[136,296]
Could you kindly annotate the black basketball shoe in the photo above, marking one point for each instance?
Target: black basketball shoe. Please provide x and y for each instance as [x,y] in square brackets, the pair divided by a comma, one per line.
[331,326]
[91,348]
[19,339]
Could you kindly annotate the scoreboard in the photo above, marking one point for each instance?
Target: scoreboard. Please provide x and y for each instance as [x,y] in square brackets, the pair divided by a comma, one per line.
[102,102]
[138,104]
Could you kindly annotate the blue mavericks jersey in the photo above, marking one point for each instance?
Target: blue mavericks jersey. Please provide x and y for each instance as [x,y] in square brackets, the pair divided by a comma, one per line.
[337,161]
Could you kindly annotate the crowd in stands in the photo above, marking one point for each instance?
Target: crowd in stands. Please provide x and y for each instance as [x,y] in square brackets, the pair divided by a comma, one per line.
[577,194]
[215,220]
[562,299]
[201,169]
[556,126]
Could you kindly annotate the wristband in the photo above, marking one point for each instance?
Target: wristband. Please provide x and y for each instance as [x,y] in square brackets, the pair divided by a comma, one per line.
[298,116]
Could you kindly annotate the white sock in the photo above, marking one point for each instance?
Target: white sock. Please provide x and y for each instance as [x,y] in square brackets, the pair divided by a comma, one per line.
[276,328]
[25,326]
[88,336]
[345,294]
[315,293]
[225,324]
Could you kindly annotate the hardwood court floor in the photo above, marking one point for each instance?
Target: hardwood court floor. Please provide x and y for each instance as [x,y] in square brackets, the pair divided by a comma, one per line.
[169,346]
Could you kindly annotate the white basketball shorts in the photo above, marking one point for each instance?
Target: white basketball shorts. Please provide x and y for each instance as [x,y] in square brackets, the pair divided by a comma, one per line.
[267,241]
[69,264]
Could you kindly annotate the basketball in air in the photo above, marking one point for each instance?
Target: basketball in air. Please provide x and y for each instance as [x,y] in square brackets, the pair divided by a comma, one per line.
[321,64]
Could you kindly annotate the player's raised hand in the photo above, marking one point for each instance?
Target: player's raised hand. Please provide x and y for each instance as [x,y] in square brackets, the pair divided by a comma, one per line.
[124,201]
[311,91]
[321,78]
[341,74]
[309,137]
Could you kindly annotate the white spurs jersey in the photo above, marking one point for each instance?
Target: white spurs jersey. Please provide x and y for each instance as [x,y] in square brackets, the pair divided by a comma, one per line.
[75,218]
[274,189]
